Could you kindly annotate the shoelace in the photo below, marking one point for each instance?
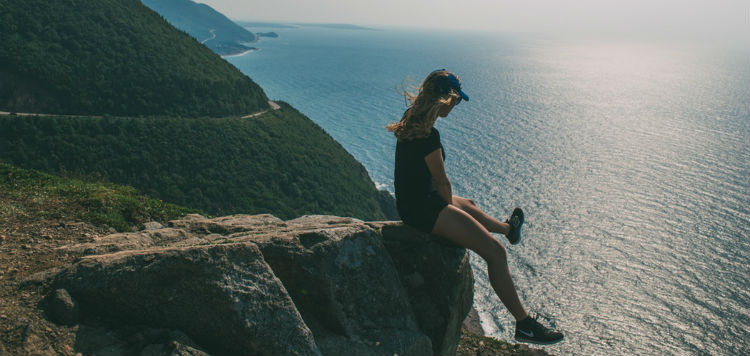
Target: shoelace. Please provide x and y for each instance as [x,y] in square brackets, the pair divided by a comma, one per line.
[514,222]
[545,329]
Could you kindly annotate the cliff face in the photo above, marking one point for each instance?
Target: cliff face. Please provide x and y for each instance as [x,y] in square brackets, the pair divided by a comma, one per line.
[258,285]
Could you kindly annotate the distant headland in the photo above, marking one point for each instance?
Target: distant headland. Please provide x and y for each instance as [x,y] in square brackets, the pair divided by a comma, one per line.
[267,34]
[337,26]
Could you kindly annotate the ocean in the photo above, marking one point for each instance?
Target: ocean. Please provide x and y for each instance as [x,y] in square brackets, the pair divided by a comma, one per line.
[629,157]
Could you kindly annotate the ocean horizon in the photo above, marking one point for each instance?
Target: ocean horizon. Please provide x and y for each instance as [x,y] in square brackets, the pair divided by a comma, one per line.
[629,157]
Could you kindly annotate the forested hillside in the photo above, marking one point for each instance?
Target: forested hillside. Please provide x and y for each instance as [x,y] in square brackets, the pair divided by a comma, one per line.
[279,162]
[157,95]
[114,57]
[207,25]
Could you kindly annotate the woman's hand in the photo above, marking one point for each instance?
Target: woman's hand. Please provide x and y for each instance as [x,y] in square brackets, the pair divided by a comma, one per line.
[434,162]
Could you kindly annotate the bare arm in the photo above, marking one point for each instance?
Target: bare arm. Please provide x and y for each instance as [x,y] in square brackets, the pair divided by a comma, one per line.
[434,162]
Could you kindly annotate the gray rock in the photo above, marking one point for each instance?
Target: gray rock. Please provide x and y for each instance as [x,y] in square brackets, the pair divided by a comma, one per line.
[414,280]
[168,343]
[178,349]
[472,322]
[345,286]
[444,294]
[112,350]
[151,225]
[61,308]
[153,350]
[130,241]
[225,297]
[361,288]
[91,340]
[181,338]
[226,225]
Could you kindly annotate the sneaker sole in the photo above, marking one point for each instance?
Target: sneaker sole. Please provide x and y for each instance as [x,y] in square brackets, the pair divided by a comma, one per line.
[519,237]
[520,215]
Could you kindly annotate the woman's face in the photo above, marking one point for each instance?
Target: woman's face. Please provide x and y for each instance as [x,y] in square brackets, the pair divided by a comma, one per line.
[445,110]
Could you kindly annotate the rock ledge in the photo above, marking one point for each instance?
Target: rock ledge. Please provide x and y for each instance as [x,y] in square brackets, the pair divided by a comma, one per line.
[255,284]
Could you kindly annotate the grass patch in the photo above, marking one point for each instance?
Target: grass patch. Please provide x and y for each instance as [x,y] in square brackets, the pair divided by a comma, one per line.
[30,194]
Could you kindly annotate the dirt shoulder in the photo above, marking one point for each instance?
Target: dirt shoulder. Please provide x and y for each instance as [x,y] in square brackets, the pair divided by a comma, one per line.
[28,247]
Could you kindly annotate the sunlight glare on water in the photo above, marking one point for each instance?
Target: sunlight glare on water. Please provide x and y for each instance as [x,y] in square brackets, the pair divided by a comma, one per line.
[630,160]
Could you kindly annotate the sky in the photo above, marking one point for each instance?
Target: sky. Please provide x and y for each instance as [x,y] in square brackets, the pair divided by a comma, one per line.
[711,19]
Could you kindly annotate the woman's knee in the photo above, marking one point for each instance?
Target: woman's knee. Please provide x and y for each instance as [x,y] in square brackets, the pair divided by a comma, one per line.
[495,253]
[463,203]
[460,227]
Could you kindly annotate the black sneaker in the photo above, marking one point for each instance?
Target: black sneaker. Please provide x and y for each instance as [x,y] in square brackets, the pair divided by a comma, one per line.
[515,222]
[531,331]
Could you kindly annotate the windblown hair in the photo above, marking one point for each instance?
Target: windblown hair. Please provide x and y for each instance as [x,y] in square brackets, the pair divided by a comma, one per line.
[423,108]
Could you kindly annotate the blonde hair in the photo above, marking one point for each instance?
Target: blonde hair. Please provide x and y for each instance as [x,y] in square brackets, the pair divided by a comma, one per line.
[423,108]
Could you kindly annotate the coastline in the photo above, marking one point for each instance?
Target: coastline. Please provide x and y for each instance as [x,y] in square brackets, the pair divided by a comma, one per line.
[240,53]
[244,52]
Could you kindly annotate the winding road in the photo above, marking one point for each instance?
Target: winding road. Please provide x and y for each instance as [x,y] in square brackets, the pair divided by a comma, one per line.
[213,35]
[273,105]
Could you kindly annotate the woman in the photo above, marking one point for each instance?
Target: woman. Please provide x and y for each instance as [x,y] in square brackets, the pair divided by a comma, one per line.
[425,201]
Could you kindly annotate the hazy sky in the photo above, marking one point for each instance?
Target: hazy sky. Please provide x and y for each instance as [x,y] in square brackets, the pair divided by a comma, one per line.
[708,18]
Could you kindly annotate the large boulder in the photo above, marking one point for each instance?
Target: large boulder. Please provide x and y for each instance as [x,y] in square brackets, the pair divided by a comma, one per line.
[377,288]
[61,308]
[344,283]
[225,297]
[437,277]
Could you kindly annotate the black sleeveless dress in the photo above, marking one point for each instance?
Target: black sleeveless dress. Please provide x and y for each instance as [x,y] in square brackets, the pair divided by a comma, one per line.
[417,199]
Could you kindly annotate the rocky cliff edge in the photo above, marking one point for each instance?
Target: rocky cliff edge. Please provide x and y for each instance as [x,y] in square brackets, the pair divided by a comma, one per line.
[257,285]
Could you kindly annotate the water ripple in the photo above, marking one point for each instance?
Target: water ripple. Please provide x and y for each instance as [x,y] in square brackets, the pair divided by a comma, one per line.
[631,161]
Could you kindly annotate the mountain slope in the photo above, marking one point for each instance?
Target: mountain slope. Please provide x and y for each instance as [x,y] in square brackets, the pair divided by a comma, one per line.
[121,58]
[114,57]
[208,26]
[279,162]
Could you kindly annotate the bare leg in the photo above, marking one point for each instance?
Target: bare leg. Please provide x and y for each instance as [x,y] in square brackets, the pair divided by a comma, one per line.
[459,227]
[489,223]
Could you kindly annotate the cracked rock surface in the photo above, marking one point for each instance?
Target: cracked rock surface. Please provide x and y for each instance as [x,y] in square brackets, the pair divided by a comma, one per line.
[255,284]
